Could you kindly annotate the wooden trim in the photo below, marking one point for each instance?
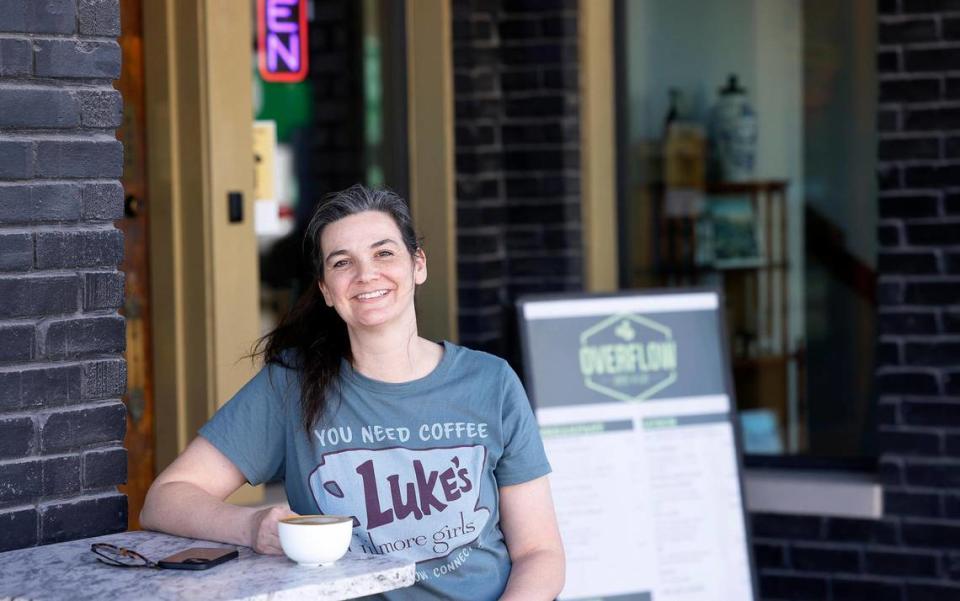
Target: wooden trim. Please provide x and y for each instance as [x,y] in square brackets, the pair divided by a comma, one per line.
[598,145]
[430,139]
[204,279]
[234,261]
[162,55]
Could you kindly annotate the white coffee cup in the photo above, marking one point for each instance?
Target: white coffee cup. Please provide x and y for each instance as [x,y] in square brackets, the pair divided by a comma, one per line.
[315,540]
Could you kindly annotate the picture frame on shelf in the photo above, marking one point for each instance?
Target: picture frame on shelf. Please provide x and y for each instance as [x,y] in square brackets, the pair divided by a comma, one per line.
[734,235]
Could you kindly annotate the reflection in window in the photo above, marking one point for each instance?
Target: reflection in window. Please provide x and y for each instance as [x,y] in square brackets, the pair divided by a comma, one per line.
[747,163]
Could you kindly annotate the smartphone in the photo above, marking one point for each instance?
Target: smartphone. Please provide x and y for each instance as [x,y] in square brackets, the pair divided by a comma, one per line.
[197,558]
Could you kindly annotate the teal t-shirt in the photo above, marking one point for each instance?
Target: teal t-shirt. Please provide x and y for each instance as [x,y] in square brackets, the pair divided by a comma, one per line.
[418,464]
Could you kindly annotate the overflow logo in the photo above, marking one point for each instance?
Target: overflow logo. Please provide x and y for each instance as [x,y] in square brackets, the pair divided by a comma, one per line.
[628,357]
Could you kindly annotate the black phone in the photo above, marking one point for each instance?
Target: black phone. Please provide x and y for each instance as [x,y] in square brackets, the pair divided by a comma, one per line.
[197,558]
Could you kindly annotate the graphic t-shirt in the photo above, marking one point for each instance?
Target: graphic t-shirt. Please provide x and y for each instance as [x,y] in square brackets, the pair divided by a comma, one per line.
[418,464]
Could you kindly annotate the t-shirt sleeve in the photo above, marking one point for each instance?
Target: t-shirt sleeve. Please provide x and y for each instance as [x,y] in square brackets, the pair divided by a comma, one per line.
[523,457]
[250,428]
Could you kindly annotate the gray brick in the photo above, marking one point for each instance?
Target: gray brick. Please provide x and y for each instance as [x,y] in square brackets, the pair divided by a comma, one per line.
[103,201]
[944,292]
[938,234]
[49,16]
[79,158]
[931,59]
[104,379]
[73,337]
[39,107]
[102,290]
[907,262]
[27,296]
[82,518]
[909,148]
[16,58]
[19,528]
[942,353]
[932,119]
[101,108]
[953,87]
[95,248]
[103,468]
[914,30]
[929,6]
[798,587]
[16,252]
[16,343]
[931,591]
[61,476]
[910,90]
[951,147]
[932,176]
[16,160]
[951,29]
[77,428]
[20,482]
[49,386]
[17,437]
[37,203]
[39,386]
[888,61]
[823,558]
[10,390]
[100,17]
[76,58]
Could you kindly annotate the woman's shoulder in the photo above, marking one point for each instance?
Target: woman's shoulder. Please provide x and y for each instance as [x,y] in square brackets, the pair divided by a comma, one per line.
[476,361]
[284,367]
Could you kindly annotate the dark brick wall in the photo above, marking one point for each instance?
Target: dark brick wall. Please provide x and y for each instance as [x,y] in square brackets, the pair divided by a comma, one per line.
[913,553]
[333,143]
[61,339]
[517,160]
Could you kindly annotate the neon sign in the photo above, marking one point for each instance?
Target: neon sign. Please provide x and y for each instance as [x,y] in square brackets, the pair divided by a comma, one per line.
[282,40]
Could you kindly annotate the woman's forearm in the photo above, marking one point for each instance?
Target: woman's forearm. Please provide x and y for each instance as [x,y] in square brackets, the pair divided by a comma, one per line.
[185,509]
[539,575]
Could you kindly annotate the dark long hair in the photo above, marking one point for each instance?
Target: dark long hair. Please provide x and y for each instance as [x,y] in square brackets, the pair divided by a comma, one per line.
[312,338]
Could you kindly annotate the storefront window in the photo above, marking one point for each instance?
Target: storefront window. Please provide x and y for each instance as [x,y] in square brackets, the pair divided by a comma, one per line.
[747,152]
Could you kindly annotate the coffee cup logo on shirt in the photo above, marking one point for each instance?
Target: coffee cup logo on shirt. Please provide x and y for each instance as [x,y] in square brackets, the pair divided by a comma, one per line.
[628,357]
[423,503]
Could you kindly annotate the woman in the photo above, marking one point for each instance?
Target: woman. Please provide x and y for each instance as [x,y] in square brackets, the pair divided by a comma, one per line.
[431,447]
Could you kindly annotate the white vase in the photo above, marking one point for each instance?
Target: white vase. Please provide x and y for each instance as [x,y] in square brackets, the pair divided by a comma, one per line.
[733,134]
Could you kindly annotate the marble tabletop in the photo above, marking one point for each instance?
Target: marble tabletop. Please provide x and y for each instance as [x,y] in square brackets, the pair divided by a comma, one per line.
[70,571]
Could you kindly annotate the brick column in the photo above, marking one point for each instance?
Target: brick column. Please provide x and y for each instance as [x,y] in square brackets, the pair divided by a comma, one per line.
[61,339]
[911,554]
[516,81]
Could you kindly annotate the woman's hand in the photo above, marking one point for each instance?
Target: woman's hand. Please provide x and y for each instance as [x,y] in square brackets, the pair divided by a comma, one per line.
[264,535]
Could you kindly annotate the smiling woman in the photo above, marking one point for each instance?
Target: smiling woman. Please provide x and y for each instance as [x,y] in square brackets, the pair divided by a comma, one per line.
[432,448]
[370,278]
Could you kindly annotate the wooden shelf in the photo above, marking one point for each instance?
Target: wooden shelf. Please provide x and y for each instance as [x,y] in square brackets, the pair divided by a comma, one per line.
[764,360]
[767,372]
[749,187]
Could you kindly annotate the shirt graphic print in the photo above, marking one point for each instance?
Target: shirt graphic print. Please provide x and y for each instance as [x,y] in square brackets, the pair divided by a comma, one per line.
[424,503]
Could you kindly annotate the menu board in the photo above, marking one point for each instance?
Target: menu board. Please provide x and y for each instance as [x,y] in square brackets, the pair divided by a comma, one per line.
[633,397]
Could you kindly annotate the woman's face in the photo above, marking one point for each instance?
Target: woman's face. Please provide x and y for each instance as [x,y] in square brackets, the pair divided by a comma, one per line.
[369,276]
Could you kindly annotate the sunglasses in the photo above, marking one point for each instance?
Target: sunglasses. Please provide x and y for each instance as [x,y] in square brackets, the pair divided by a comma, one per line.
[119,557]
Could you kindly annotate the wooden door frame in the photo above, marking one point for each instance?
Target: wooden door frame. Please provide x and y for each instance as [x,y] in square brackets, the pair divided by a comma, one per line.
[430,144]
[598,145]
[205,276]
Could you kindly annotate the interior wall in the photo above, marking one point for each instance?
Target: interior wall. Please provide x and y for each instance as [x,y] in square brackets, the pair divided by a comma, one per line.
[840,109]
